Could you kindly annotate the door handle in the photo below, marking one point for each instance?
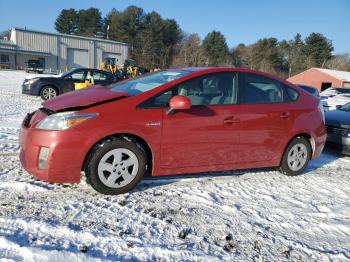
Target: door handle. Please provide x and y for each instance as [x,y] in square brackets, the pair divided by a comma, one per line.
[284,115]
[230,120]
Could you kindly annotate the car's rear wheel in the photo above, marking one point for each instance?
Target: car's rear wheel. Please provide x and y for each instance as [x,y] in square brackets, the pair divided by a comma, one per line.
[48,92]
[116,167]
[296,157]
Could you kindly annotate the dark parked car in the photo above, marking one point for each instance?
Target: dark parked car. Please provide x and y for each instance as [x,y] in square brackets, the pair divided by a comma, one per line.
[312,90]
[338,128]
[34,66]
[48,87]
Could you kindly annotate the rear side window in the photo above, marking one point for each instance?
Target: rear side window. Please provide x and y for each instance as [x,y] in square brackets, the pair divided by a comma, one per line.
[292,94]
[99,76]
[256,89]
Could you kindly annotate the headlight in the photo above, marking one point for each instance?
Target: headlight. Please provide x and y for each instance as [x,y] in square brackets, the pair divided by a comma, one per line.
[32,81]
[62,121]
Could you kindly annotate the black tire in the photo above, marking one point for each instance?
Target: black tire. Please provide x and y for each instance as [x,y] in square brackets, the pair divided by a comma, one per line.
[297,142]
[100,152]
[48,92]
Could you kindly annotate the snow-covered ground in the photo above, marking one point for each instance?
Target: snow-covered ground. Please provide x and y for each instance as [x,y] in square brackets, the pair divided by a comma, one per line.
[241,216]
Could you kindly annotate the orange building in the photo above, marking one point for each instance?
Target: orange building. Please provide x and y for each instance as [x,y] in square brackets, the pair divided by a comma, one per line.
[322,78]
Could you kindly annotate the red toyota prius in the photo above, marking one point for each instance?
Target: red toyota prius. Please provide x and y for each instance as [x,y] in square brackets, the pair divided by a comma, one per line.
[173,122]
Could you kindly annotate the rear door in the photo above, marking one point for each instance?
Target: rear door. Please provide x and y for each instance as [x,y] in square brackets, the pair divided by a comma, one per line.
[101,78]
[266,117]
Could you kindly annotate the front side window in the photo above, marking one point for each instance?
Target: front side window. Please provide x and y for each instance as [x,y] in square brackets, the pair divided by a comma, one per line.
[211,89]
[79,75]
[257,89]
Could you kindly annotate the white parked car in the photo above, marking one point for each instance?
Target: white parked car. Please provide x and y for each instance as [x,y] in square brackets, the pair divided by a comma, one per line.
[334,96]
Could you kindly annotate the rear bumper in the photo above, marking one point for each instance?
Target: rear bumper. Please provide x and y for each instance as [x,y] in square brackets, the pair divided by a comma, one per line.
[318,141]
[319,146]
[65,157]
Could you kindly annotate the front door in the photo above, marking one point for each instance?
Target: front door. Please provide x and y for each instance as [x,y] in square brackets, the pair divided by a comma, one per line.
[208,133]
[78,76]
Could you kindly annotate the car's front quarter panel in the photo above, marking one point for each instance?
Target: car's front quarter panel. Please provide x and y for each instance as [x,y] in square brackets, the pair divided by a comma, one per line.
[120,118]
[31,88]
[68,148]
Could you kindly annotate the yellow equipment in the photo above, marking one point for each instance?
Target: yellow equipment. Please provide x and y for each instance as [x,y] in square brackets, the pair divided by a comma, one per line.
[108,65]
[88,82]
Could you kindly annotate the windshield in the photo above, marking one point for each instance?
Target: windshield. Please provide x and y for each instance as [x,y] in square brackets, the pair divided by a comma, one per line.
[343,90]
[145,83]
[345,107]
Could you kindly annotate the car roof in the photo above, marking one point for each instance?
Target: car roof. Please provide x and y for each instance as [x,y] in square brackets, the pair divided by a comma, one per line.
[91,69]
[207,70]
[306,86]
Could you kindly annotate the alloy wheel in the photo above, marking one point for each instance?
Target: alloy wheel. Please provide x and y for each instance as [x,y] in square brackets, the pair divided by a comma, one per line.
[118,167]
[48,93]
[297,157]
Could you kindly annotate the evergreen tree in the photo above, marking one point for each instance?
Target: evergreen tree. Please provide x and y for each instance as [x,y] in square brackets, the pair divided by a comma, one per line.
[318,49]
[150,40]
[67,21]
[215,48]
[266,56]
[171,35]
[90,23]
[124,26]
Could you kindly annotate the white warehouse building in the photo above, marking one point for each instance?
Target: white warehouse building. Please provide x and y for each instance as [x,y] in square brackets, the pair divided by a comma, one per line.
[58,52]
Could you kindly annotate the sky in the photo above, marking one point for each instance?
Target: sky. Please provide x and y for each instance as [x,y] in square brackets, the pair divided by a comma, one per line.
[243,21]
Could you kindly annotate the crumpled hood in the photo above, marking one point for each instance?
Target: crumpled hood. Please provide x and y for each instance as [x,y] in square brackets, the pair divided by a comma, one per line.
[82,98]
[337,117]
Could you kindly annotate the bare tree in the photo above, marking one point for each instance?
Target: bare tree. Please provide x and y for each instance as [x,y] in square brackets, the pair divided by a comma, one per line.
[189,52]
[5,34]
[339,62]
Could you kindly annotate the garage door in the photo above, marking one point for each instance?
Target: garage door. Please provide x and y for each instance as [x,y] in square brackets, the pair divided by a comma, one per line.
[346,84]
[77,58]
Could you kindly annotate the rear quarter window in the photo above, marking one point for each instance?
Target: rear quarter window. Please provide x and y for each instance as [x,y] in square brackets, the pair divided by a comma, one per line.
[258,89]
[293,95]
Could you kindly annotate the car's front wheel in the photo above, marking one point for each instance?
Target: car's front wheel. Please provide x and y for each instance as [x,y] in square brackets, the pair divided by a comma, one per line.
[116,166]
[48,92]
[296,157]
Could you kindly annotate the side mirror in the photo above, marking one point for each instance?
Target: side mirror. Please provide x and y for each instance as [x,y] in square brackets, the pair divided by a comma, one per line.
[178,103]
[338,106]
